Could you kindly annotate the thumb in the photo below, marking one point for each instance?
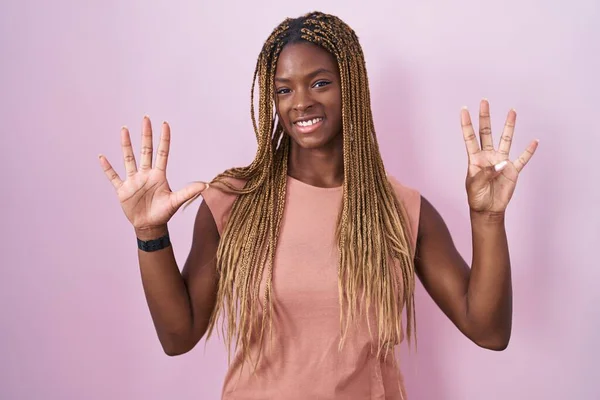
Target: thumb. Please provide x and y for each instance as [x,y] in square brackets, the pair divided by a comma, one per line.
[189,193]
[489,173]
[497,169]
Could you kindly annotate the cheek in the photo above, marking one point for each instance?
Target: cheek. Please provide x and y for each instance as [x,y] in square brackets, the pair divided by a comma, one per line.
[334,99]
[281,113]
[335,109]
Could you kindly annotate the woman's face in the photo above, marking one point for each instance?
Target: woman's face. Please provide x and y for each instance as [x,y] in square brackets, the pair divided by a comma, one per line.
[308,95]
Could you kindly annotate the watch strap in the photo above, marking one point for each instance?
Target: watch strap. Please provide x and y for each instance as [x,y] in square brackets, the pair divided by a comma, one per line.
[154,244]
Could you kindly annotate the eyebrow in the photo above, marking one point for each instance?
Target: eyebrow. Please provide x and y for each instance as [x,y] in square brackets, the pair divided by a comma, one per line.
[311,75]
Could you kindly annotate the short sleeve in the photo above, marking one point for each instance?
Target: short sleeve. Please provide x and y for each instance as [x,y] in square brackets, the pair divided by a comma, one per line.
[220,202]
[411,200]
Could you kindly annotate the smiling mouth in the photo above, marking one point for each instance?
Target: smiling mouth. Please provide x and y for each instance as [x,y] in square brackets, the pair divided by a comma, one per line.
[308,126]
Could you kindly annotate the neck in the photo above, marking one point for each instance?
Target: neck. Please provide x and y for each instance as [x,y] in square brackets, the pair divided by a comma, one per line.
[322,167]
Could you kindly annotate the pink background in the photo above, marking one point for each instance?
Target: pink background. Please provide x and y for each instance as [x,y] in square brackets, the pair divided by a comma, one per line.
[74,319]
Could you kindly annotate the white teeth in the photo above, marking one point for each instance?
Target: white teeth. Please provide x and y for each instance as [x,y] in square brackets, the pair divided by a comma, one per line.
[309,122]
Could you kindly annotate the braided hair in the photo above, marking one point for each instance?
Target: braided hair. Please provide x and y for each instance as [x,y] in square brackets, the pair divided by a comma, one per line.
[375,267]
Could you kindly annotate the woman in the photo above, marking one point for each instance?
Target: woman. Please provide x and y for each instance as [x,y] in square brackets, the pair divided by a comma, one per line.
[308,255]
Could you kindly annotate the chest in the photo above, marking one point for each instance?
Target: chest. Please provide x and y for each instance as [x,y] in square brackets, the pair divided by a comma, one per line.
[305,273]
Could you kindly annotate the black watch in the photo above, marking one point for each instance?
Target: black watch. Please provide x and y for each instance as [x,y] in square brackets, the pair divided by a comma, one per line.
[155,244]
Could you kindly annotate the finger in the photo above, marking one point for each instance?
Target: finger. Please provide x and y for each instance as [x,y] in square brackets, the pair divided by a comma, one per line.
[146,162]
[485,126]
[524,158]
[111,174]
[468,132]
[128,157]
[507,133]
[162,154]
[190,191]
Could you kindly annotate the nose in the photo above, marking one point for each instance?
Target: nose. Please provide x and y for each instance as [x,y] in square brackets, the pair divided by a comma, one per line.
[302,100]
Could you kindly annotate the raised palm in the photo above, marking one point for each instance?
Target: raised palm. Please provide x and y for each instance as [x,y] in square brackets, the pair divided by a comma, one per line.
[145,196]
[491,175]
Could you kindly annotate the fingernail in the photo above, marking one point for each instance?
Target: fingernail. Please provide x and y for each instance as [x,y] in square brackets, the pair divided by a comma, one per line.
[464,108]
[124,127]
[500,166]
[165,122]
[207,185]
[99,155]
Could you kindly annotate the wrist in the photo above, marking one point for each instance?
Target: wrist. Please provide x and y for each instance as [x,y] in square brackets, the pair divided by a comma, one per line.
[151,233]
[488,217]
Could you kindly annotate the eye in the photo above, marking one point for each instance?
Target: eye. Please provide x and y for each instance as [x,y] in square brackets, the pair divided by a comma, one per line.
[319,84]
[282,91]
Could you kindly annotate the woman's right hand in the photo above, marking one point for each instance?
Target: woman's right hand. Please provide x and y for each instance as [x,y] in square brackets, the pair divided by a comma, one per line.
[145,195]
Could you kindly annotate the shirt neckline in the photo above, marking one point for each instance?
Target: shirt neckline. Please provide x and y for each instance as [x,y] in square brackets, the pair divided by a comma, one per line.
[312,187]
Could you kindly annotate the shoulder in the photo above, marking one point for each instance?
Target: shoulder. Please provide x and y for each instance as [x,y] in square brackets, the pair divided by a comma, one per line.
[422,215]
[410,201]
[409,196]
[219,199]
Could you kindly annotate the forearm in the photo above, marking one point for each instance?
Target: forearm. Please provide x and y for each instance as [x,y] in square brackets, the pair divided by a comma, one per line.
[489,296]
[166,295]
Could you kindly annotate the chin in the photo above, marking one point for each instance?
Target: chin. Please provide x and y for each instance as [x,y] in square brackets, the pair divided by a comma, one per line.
[311,142]
[314,141]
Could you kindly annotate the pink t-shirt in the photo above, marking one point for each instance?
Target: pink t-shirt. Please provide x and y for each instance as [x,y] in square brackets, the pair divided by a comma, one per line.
[302,360]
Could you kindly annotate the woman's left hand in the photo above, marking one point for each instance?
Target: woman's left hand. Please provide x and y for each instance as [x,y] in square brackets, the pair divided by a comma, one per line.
[491,176]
